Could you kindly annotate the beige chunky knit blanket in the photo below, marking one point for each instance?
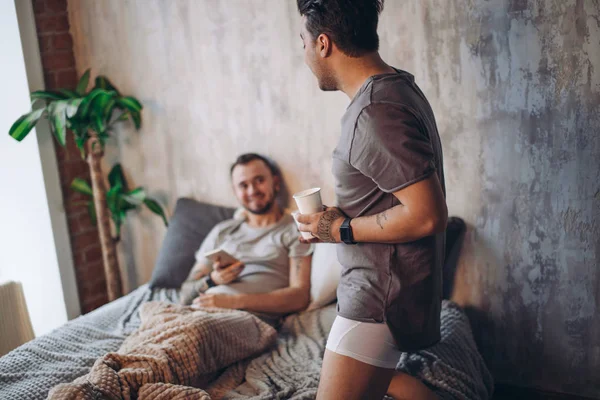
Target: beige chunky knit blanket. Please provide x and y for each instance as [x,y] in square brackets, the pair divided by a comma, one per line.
[176,352]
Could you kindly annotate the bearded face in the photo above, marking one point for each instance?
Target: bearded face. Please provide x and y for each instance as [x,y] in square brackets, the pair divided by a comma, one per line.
[255,186]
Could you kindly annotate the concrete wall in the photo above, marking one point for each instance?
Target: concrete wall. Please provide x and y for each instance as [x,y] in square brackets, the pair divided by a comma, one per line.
[515,86]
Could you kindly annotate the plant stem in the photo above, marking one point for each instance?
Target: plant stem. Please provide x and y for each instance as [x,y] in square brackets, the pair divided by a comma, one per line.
[109,254]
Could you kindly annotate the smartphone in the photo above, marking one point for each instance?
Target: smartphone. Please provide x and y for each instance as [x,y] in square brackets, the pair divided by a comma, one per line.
[221,255]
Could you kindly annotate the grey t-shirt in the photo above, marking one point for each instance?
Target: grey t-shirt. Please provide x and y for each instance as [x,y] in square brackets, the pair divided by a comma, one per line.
[389,141]
[265,253]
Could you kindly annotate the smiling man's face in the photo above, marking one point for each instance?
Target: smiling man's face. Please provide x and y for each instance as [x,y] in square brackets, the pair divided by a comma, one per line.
[255,186]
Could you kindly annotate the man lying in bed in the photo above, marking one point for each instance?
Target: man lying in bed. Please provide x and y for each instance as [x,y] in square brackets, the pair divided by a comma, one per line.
[273,276]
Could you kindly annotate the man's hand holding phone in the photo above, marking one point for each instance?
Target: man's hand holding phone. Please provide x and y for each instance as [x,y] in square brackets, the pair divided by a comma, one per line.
[225,266]
[223,274]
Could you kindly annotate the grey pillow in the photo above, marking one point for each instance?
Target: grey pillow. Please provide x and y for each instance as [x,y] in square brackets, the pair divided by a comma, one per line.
[189,225]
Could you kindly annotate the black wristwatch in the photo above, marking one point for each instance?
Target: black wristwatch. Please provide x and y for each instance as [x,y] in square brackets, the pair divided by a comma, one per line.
[210,282]
[346,232]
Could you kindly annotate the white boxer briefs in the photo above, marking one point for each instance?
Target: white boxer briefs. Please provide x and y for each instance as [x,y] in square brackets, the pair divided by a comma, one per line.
[371,343]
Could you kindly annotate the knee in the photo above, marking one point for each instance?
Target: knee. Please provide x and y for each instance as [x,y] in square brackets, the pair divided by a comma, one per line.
[406,387]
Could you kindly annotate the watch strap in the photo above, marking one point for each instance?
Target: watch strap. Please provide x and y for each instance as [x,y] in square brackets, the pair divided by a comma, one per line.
[209,282]
[346,232]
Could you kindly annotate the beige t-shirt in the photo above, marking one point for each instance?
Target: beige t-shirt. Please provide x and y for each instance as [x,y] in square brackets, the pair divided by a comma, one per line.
[264,251]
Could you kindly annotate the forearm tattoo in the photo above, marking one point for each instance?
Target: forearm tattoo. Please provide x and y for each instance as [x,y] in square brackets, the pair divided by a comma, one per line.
[296,264]
[324,231]
[380,218]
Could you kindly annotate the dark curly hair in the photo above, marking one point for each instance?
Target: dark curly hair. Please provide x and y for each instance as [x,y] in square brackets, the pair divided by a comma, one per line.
[351,24]
[246,158]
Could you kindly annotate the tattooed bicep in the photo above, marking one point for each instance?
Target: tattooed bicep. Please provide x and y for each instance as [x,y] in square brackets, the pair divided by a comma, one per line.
[300,270]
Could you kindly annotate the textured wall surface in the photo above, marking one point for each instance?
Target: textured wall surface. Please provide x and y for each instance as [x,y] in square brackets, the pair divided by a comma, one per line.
[516,90]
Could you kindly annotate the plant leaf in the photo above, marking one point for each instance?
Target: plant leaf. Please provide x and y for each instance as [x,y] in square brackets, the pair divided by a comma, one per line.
[117,229]
[103,136]
[83,83]
[98,125]
[156,209]
[116,176]
[80,141]
[84,107]
[77,124]
[107,110]
[58,120]
[69,94]
[24,124]
[134,107]
[112,197]
[136,197]
[118,219]
[72,107]
[101,105]
[126,205]
[92,212]
[123,116]
[102,82]
[47,95]
[100,102]
[114,201]
[137,119]
[81,186]
[130,103]
[115,217]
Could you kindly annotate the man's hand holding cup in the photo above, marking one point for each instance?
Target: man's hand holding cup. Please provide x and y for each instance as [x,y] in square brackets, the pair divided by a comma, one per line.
[317,223]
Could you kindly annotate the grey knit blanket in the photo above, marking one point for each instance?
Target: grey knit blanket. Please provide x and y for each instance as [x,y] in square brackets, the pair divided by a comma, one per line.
[453,368]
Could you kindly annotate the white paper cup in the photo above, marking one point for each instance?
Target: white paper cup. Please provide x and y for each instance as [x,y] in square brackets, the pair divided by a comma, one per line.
[305,235]
[309,201]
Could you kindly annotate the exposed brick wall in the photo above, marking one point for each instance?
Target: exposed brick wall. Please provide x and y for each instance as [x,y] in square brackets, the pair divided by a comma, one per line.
[56,49]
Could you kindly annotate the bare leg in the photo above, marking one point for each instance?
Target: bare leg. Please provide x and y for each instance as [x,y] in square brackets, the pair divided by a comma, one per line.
[406,387]
[345,378]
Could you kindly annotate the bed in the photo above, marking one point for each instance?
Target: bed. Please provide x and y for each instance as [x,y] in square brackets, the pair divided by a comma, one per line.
[453,368]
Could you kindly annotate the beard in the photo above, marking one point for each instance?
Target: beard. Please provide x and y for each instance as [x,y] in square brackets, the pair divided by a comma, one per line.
[327,83]
[266,208]
[325,77]
[263,210]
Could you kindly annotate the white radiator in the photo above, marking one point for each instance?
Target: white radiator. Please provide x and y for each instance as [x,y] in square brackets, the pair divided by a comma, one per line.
[15,325]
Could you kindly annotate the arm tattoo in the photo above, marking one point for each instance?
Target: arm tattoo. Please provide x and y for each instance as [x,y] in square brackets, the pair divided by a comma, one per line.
[380,217]
[296,264]
[325,223]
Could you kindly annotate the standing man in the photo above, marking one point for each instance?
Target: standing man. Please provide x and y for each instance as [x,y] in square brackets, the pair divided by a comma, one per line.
[392,210]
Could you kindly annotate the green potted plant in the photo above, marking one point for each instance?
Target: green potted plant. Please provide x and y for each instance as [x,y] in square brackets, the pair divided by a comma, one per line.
[91,117]
[119,199]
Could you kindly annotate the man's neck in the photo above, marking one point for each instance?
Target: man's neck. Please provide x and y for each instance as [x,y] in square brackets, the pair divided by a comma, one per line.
[264,220]
[354,71]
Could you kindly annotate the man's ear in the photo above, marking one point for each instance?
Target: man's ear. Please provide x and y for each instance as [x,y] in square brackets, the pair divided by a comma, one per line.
[276,183]
[324,45]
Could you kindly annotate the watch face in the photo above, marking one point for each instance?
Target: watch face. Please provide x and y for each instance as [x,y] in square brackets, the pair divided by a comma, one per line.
[346,232]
